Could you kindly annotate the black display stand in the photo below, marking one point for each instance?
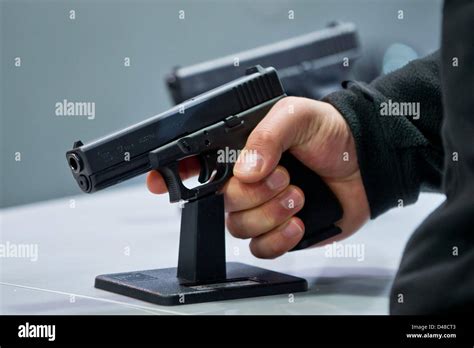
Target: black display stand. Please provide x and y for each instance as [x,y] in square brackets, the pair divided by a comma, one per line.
[202,274]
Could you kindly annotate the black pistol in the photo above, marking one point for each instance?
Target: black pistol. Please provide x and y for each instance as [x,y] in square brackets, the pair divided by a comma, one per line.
[220,119]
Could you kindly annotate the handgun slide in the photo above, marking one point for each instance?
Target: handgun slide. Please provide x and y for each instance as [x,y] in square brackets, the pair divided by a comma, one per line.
[125,154]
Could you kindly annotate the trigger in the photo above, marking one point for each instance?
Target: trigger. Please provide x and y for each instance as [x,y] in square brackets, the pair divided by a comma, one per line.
[208,164]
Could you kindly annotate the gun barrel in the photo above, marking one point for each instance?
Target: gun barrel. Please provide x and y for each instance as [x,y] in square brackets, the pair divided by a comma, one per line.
[124,154]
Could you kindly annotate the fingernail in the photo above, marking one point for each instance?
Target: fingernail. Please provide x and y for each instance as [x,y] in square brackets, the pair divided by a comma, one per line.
[292,229]
[278,179]
[292,200]
[249,162]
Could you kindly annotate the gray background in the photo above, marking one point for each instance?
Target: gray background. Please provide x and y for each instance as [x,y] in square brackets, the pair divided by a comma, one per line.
[82,60]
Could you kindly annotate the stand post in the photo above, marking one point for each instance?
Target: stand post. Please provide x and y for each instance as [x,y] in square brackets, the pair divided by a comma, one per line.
[202,240]
[202,273]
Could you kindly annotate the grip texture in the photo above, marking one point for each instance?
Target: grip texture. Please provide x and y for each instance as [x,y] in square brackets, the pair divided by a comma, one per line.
[321,209]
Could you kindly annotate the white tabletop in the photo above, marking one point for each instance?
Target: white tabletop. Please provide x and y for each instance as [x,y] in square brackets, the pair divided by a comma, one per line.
[127,229]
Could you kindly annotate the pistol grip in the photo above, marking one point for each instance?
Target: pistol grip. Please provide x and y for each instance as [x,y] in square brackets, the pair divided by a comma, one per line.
[321,209]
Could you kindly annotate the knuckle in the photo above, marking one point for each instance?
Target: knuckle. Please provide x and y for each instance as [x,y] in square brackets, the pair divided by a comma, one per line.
[252,194]
[260,249]
[235,227]
[282,213]
[262,138]
[268,215]
[294,105]
[277,248]
[285,103]
[254,249]
[268,248]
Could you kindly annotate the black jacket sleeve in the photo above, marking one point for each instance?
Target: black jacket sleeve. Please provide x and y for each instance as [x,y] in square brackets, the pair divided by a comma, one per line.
[399,151]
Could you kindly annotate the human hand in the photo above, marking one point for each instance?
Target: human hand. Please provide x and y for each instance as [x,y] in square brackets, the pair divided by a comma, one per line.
[261,202]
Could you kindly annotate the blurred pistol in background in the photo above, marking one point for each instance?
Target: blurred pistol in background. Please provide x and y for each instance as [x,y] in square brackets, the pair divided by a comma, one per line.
[311,65]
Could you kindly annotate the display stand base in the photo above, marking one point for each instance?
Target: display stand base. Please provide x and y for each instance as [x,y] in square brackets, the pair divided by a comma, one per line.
[162,287]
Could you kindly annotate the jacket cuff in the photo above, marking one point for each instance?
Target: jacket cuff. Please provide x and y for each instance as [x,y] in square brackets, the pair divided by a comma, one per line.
[379,162]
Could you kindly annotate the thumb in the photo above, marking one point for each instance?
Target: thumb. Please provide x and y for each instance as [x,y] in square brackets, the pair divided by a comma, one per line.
[282,128]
